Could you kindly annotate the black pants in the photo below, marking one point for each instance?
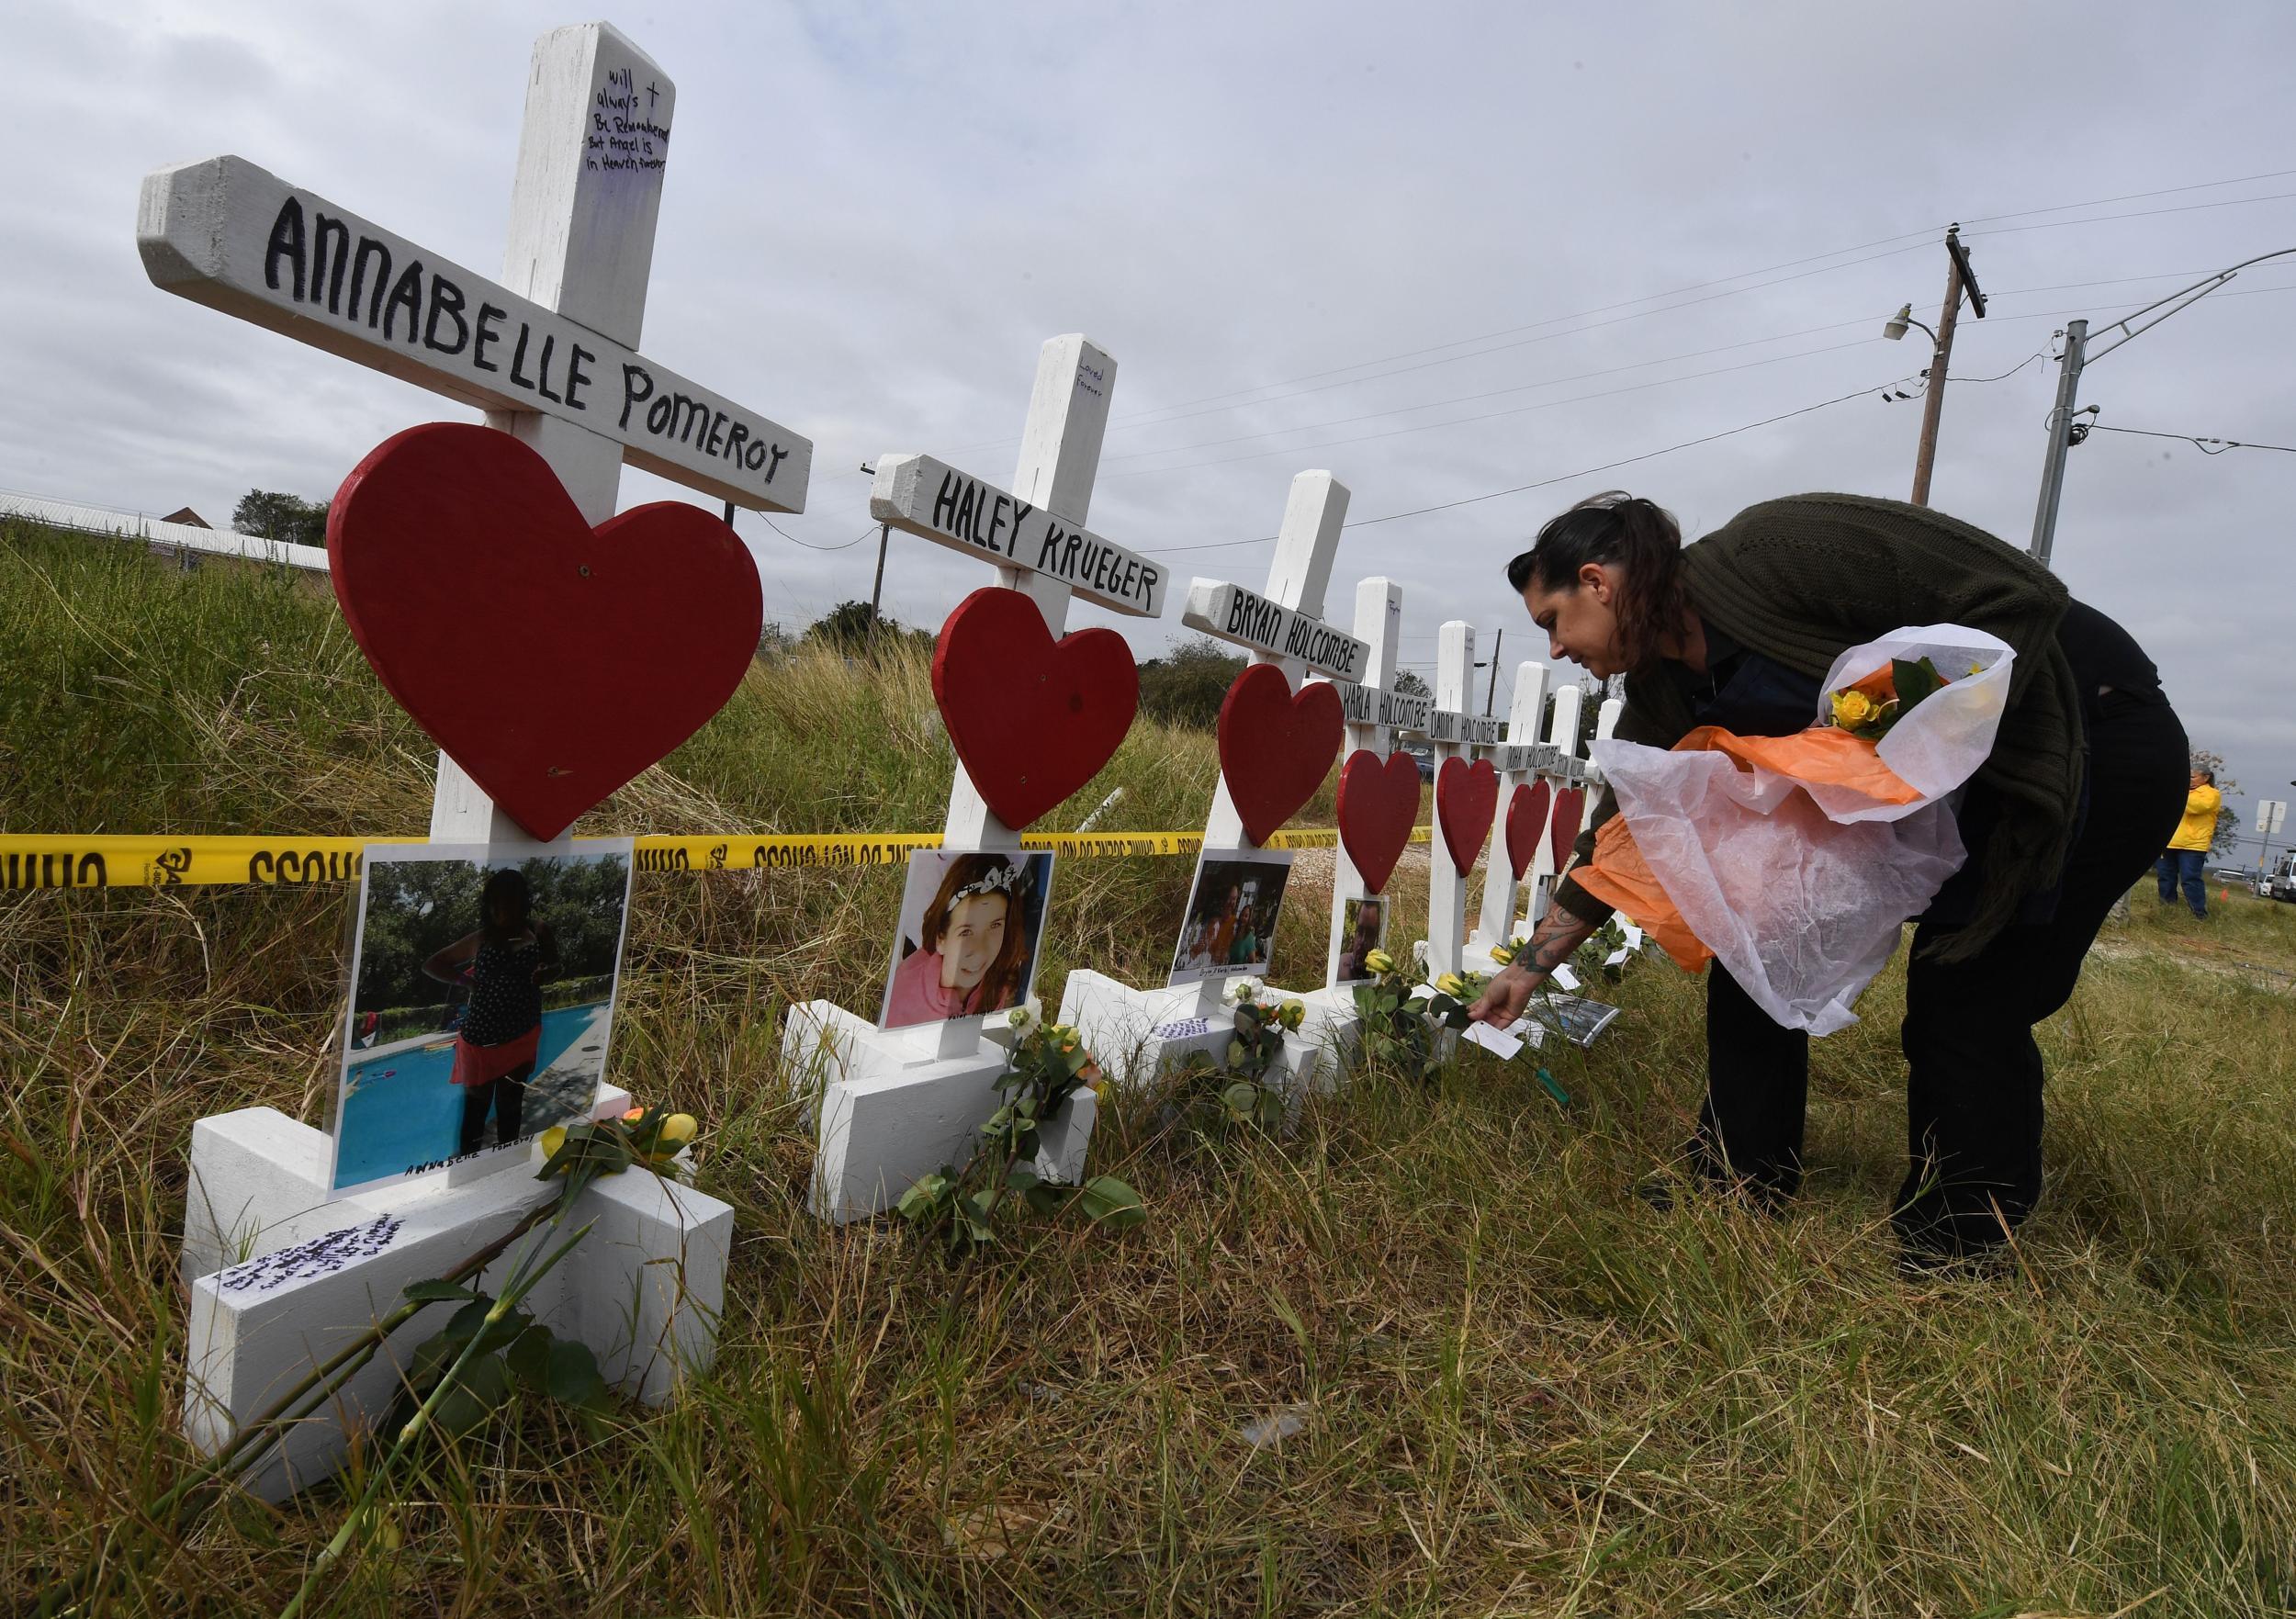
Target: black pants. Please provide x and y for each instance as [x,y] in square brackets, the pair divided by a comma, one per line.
[506,1098]
[1973,1091]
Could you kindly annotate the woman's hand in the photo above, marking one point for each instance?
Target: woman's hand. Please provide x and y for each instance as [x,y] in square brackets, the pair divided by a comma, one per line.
[1505,996]
[1557,934]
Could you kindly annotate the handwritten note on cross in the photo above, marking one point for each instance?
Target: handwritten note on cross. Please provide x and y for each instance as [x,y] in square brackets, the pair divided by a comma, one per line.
[549,352]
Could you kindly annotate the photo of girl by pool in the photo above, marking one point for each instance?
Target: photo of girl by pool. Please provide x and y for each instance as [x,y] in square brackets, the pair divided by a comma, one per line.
[482,987]
[967,944]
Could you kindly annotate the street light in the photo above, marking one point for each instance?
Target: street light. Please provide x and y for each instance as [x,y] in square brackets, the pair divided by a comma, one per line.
[1894,327]
[2063,433]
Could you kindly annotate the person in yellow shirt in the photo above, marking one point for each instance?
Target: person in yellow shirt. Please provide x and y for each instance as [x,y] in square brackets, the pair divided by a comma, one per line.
[2186,857]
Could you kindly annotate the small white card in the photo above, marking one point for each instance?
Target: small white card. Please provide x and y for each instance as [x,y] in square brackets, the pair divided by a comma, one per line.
[1634,937]
[1564,977]
[1497,1042]
[1617,958]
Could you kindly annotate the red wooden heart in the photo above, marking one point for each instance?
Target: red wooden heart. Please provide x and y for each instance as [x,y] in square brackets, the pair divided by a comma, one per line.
[1274,747]
[1526,818]
[552,660]
[1563,830]
[1378,799]
[1467,797]
[1033,719]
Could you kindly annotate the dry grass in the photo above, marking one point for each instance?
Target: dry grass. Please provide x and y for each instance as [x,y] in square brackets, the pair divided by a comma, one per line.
[1519,1390]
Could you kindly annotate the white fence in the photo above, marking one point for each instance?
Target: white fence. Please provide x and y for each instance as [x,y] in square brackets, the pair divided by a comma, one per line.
[178,537]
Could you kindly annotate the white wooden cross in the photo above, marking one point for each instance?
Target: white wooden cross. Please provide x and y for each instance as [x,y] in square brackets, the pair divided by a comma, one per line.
[1377,715]
[1456,734]
[1137,1032]
[549,353]
[1566,769]
[1518,761]
[895,1105]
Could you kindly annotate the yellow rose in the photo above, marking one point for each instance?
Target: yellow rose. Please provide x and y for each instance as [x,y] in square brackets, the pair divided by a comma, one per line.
[1853,708]
[552,1140]
[1451,985]
[1502,953]
[679,1127]
[1293,1014]
[1380,961]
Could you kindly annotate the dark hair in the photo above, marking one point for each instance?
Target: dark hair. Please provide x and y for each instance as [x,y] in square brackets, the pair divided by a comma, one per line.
[987,874]
[1630,533]
[509,884]
[2206,774]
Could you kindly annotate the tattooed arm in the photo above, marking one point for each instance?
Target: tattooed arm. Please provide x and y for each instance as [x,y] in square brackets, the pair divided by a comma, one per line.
[1557,934]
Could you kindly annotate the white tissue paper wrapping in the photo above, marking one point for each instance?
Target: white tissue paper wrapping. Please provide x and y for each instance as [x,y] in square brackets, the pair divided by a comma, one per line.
[1801,892]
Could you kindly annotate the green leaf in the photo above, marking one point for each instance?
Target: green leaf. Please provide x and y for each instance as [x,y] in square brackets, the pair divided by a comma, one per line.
[1915,681]
[1044,1200]
[925,1199]
[1235,1053]
[480,1392]
[438,1292]
[1111,1203]
[573,1377]
[528,1358]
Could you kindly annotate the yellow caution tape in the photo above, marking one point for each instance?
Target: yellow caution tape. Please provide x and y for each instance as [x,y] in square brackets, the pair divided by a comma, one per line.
[141,862]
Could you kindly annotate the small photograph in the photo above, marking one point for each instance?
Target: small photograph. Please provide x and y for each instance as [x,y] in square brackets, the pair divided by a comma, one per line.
[1577,1020]
[1363,925]
[971,926]
[1229,928]
[482,987]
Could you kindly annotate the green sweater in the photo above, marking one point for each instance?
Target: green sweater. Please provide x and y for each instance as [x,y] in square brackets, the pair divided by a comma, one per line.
[1801,580]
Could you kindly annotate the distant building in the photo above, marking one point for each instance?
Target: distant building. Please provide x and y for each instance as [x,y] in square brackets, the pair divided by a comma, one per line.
[188,518]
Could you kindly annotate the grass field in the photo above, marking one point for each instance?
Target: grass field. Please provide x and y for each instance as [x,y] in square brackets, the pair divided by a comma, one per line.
[1516,1389]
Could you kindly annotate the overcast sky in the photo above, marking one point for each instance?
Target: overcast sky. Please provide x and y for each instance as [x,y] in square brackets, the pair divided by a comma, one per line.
[1360,237]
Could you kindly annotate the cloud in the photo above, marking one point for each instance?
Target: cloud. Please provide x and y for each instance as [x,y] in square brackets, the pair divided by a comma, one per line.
[874,216]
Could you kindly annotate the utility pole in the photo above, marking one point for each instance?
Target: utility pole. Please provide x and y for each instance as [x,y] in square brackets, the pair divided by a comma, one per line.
[2062,438]
[2064,432]
[1958,276]
[876,590]
[1490,692]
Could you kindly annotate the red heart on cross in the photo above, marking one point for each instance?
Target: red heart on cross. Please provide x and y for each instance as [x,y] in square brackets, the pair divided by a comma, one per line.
[1275,746]
[552,660]
[1033,719]
[1526,818]
[1563,830]
[1467,797]
[1378,799]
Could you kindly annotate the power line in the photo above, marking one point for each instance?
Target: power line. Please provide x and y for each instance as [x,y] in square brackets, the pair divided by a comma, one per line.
[2130,196]
[1998,320]
[1493,415]
[1544,482]
[1496,392]
[808,544]
[1911,239]
[2198,443]
[2190,207]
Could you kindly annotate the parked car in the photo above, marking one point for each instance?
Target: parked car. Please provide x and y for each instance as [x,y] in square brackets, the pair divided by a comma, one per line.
[2280,881]
[1425,758]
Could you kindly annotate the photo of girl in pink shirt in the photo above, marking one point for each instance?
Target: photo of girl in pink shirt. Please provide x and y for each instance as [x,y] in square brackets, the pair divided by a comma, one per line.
[968,940]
